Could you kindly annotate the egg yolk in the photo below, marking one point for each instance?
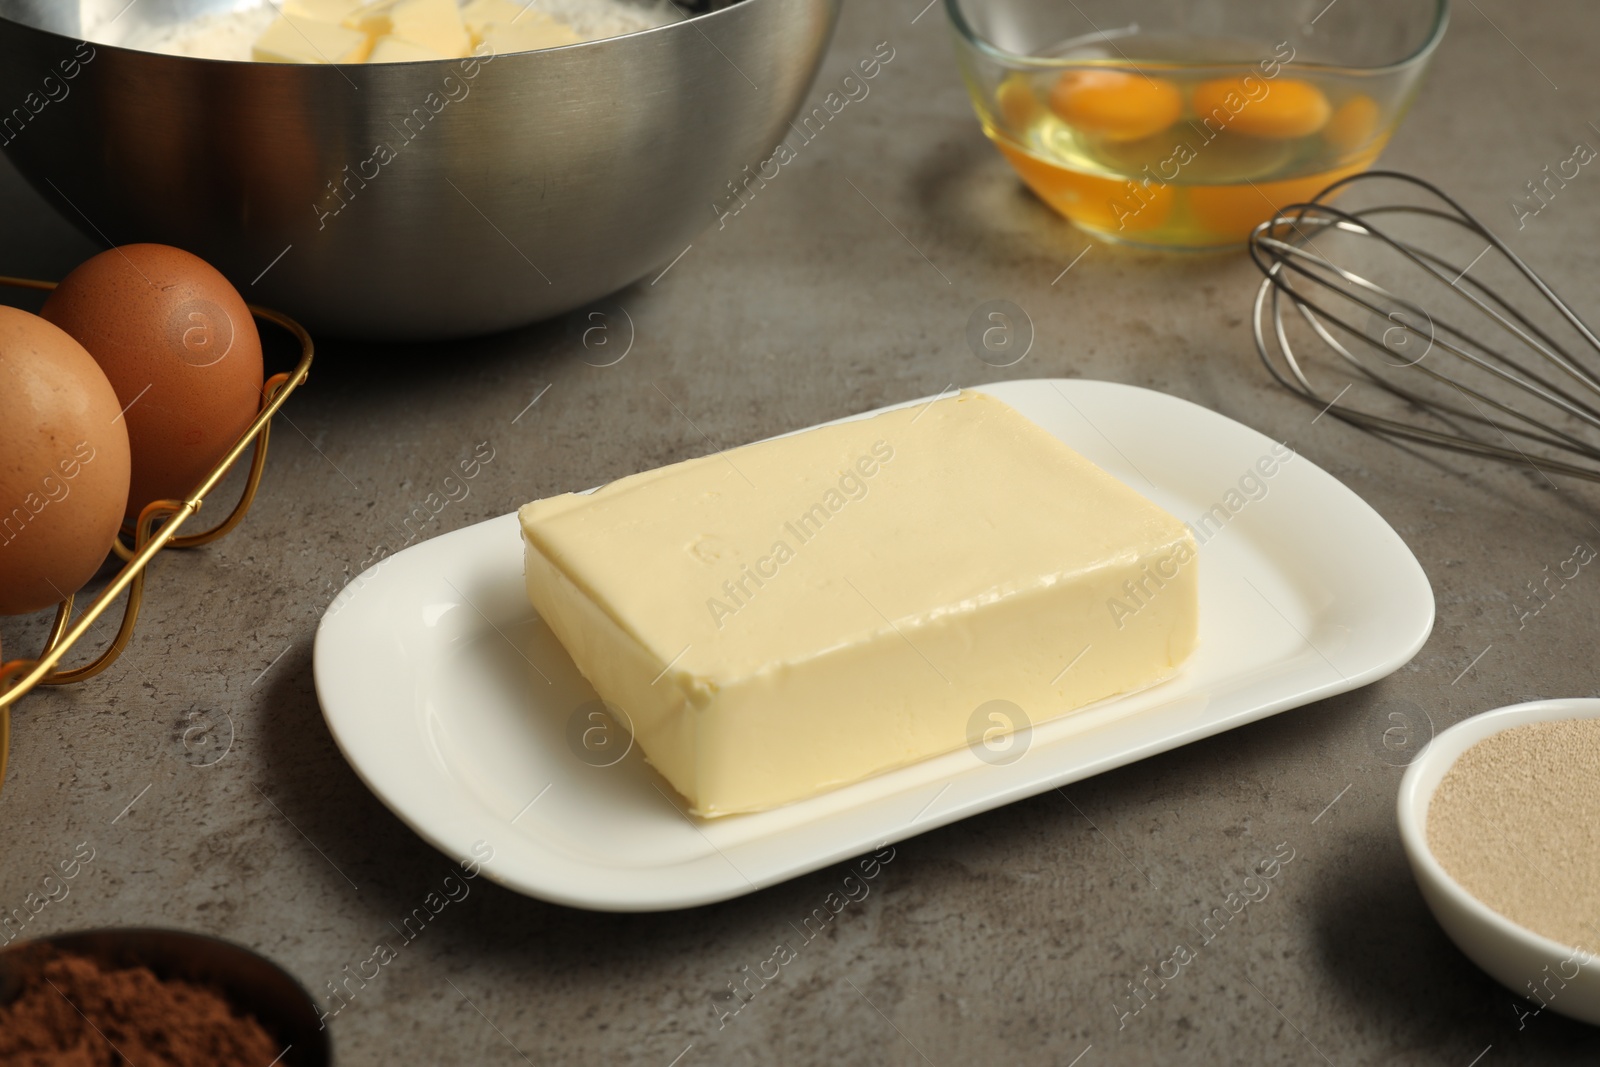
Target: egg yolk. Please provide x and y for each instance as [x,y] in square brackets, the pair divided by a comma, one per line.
[1015,103]
[1282,108]
[1353,124]
[1103,205]
[1116,105]
[1232,211]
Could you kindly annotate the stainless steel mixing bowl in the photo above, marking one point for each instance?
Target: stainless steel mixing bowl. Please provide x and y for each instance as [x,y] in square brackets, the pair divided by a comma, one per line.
[409,201]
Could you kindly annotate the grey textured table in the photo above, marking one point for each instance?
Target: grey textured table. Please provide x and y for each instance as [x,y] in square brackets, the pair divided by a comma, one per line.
[1008,938]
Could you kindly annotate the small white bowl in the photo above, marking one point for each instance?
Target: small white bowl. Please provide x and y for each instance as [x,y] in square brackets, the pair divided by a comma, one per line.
[1563,978]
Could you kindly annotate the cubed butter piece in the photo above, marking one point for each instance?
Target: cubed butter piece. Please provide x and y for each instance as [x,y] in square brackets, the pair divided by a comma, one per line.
[374,19]
[335,11]
[477,14]
[798,614]
[293,39]
[532,31]
[400,50]
[434,24]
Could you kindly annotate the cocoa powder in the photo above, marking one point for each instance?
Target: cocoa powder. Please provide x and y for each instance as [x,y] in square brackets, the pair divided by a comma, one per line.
[73,1012]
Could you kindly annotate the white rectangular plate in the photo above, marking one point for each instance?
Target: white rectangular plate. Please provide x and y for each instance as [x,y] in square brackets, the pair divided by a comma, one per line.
[460,710]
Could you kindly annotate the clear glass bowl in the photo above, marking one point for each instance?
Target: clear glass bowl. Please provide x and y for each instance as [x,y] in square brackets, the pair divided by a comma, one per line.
[1174,124]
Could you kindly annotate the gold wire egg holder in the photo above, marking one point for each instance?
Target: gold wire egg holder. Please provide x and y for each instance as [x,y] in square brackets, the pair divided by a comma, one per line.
[155,529]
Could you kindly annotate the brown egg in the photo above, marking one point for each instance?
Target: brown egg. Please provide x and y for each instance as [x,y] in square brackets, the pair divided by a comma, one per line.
[181,349]
[64,464]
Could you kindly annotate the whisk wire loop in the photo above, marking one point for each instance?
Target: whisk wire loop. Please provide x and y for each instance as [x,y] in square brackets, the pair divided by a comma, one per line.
[1521,357]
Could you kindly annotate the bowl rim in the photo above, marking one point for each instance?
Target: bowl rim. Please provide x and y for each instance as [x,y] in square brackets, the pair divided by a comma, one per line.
[1441,20]
[1421,780]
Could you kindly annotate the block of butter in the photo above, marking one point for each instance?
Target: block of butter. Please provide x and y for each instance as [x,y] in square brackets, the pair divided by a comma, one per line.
[295,39]
[509,26]
[794,615]
[333,11]
[400,50]
[478,14]
[529,33]
[433,24]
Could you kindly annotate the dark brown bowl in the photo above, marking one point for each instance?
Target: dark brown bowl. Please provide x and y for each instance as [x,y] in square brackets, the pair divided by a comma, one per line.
[250,982]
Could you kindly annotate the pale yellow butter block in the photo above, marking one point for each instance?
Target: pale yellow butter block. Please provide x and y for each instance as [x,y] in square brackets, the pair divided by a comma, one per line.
[532,31]
[476,14]
[292,39]
[374,19]
[334,11]
[798,614]
[368,16]
[400,50]
[434,24]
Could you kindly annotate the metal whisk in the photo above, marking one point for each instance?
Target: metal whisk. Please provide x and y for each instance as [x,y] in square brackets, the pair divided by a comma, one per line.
[1476,370]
